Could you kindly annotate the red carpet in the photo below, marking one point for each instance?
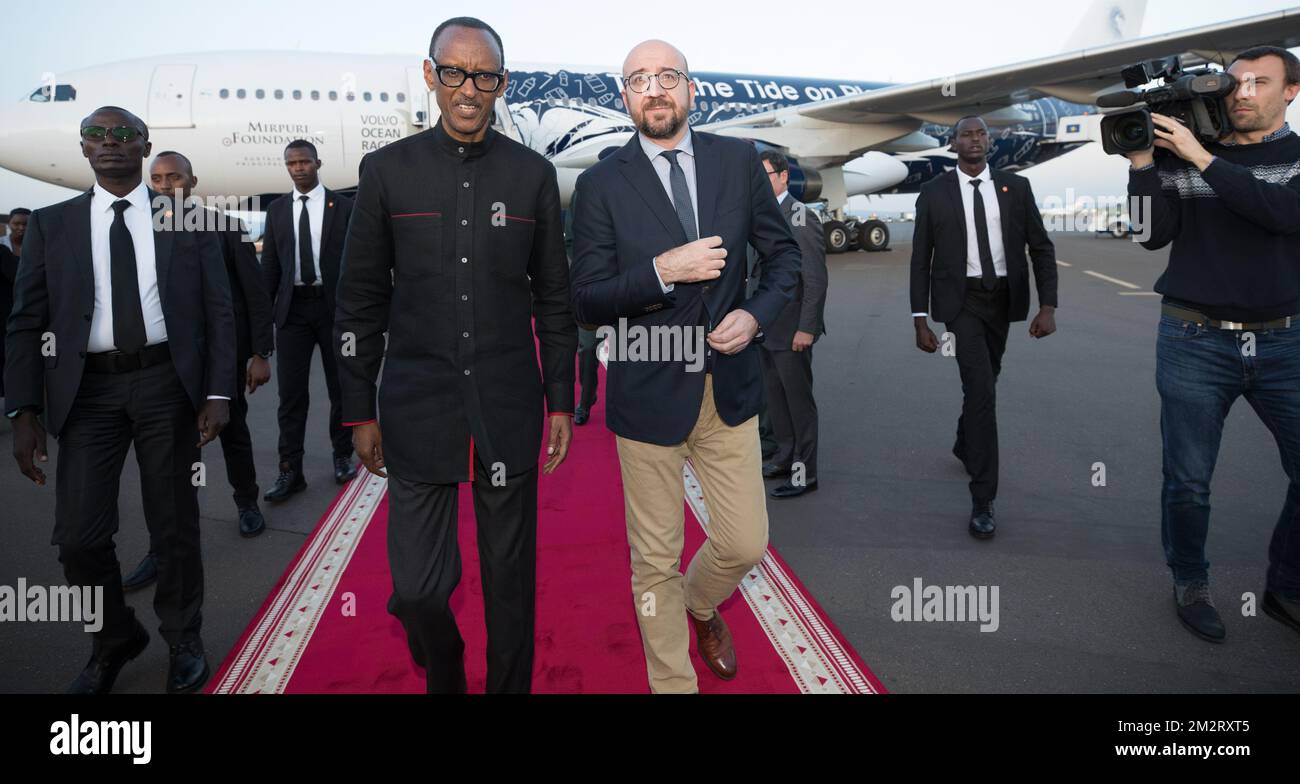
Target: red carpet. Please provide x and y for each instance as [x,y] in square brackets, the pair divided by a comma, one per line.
[326,628]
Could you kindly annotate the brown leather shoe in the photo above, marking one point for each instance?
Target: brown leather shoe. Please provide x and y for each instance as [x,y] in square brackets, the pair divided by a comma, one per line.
[714,641]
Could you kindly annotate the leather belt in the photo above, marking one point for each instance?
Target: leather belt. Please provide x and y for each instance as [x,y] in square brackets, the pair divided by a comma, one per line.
[308,292]
[1186,314]
[117,362]
[977,282]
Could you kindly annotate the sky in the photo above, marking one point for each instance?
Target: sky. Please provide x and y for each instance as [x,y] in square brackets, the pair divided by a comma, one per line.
[897,42]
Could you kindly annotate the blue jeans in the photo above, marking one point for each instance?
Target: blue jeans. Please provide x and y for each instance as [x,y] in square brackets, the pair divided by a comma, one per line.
[1200,372]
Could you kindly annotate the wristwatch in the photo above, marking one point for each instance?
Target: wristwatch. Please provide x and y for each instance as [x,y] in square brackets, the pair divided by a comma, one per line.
[267,355]
[18,411]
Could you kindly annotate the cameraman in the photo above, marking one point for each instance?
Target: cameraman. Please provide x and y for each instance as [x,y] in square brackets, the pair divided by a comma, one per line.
[1230,316]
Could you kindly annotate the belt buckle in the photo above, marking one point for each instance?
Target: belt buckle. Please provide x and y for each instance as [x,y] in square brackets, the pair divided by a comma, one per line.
[1235,325]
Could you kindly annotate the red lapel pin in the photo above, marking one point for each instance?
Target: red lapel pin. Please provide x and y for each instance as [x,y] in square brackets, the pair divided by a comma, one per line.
[331,204]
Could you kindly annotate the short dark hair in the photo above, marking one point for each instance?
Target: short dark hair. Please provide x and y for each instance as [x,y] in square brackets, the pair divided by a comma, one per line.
[189,167]
[473,24]
[1289,61]
[961,120]
[16,211]
[143,128]
[302,144]
[778,161]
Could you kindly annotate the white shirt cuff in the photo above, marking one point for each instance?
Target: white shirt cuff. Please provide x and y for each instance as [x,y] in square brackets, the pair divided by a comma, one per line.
[914,315]
[655,266]
[217,397]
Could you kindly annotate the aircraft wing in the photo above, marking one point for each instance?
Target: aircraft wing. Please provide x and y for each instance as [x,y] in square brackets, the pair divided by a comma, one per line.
[873,118]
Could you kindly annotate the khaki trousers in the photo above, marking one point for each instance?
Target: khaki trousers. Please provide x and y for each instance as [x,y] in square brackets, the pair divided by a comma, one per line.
[728,462]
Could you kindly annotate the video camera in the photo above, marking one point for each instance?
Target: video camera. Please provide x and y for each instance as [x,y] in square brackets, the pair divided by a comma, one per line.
[1195,98]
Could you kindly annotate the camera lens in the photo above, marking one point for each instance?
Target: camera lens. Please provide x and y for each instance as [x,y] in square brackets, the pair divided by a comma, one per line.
[1129,133]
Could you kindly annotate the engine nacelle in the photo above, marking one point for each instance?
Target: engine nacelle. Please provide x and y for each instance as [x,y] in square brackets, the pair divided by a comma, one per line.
[873,173]
[805,184]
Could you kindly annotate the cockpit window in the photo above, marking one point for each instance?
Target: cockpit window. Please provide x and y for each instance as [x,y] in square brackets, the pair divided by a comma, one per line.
[62,92]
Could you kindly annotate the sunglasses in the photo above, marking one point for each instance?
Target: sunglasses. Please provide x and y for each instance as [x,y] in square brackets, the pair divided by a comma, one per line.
[123,133]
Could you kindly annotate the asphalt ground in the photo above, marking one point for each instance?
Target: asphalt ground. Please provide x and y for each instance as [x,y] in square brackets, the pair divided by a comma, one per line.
[1084,598]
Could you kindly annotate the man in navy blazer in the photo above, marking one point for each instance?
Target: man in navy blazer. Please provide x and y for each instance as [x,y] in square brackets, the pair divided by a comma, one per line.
[660,233]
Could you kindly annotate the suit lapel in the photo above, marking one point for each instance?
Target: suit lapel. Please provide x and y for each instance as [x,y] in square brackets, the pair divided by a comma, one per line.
[289,232]
[788,205]
[326,221]
[162,244]
[954,195]
[77,217]
[641,174]
[1003,188]
[707,168]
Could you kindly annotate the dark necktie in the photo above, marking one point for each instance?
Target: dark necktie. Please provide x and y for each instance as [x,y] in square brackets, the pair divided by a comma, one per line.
[128,314]
[306,265]
[990,275]
[681,195]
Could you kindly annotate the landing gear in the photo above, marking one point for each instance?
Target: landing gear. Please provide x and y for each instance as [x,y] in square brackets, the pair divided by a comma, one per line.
[873,236]
[837,236]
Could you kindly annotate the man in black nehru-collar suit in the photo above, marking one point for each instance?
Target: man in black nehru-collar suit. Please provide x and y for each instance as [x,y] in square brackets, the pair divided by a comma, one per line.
[301,253]
[122,332]
[969,269]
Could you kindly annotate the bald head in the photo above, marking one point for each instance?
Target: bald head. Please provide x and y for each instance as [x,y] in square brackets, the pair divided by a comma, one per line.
[653,56]
[659,111]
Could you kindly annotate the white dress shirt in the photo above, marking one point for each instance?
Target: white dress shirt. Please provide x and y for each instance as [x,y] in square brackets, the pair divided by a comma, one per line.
[993,219]
[315,218]
[686,159]
[139,222]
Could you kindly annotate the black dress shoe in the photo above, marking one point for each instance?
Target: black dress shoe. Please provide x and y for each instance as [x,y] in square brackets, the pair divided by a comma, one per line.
[251,522]
[581,415]
[144,574]
[102,669]
[188,670]
[344,470]
[791,490]
[288,483]
[772,471]
[1197,612]
[1280,608]
[981,521]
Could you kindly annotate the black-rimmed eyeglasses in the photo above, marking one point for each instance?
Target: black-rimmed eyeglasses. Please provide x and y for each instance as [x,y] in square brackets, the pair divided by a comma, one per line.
[451,76]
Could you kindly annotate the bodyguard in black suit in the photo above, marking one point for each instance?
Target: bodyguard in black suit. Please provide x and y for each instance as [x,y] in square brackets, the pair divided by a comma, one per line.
[787,346]
[456,251]
[969,269]
[660,229]
[171,173]
[301,253]
[122,331]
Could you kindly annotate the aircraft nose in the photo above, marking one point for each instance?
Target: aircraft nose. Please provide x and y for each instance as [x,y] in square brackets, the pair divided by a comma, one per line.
[10,138]
[40,140]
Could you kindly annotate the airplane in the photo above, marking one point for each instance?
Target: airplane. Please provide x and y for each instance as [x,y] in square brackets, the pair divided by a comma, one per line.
[232,113]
